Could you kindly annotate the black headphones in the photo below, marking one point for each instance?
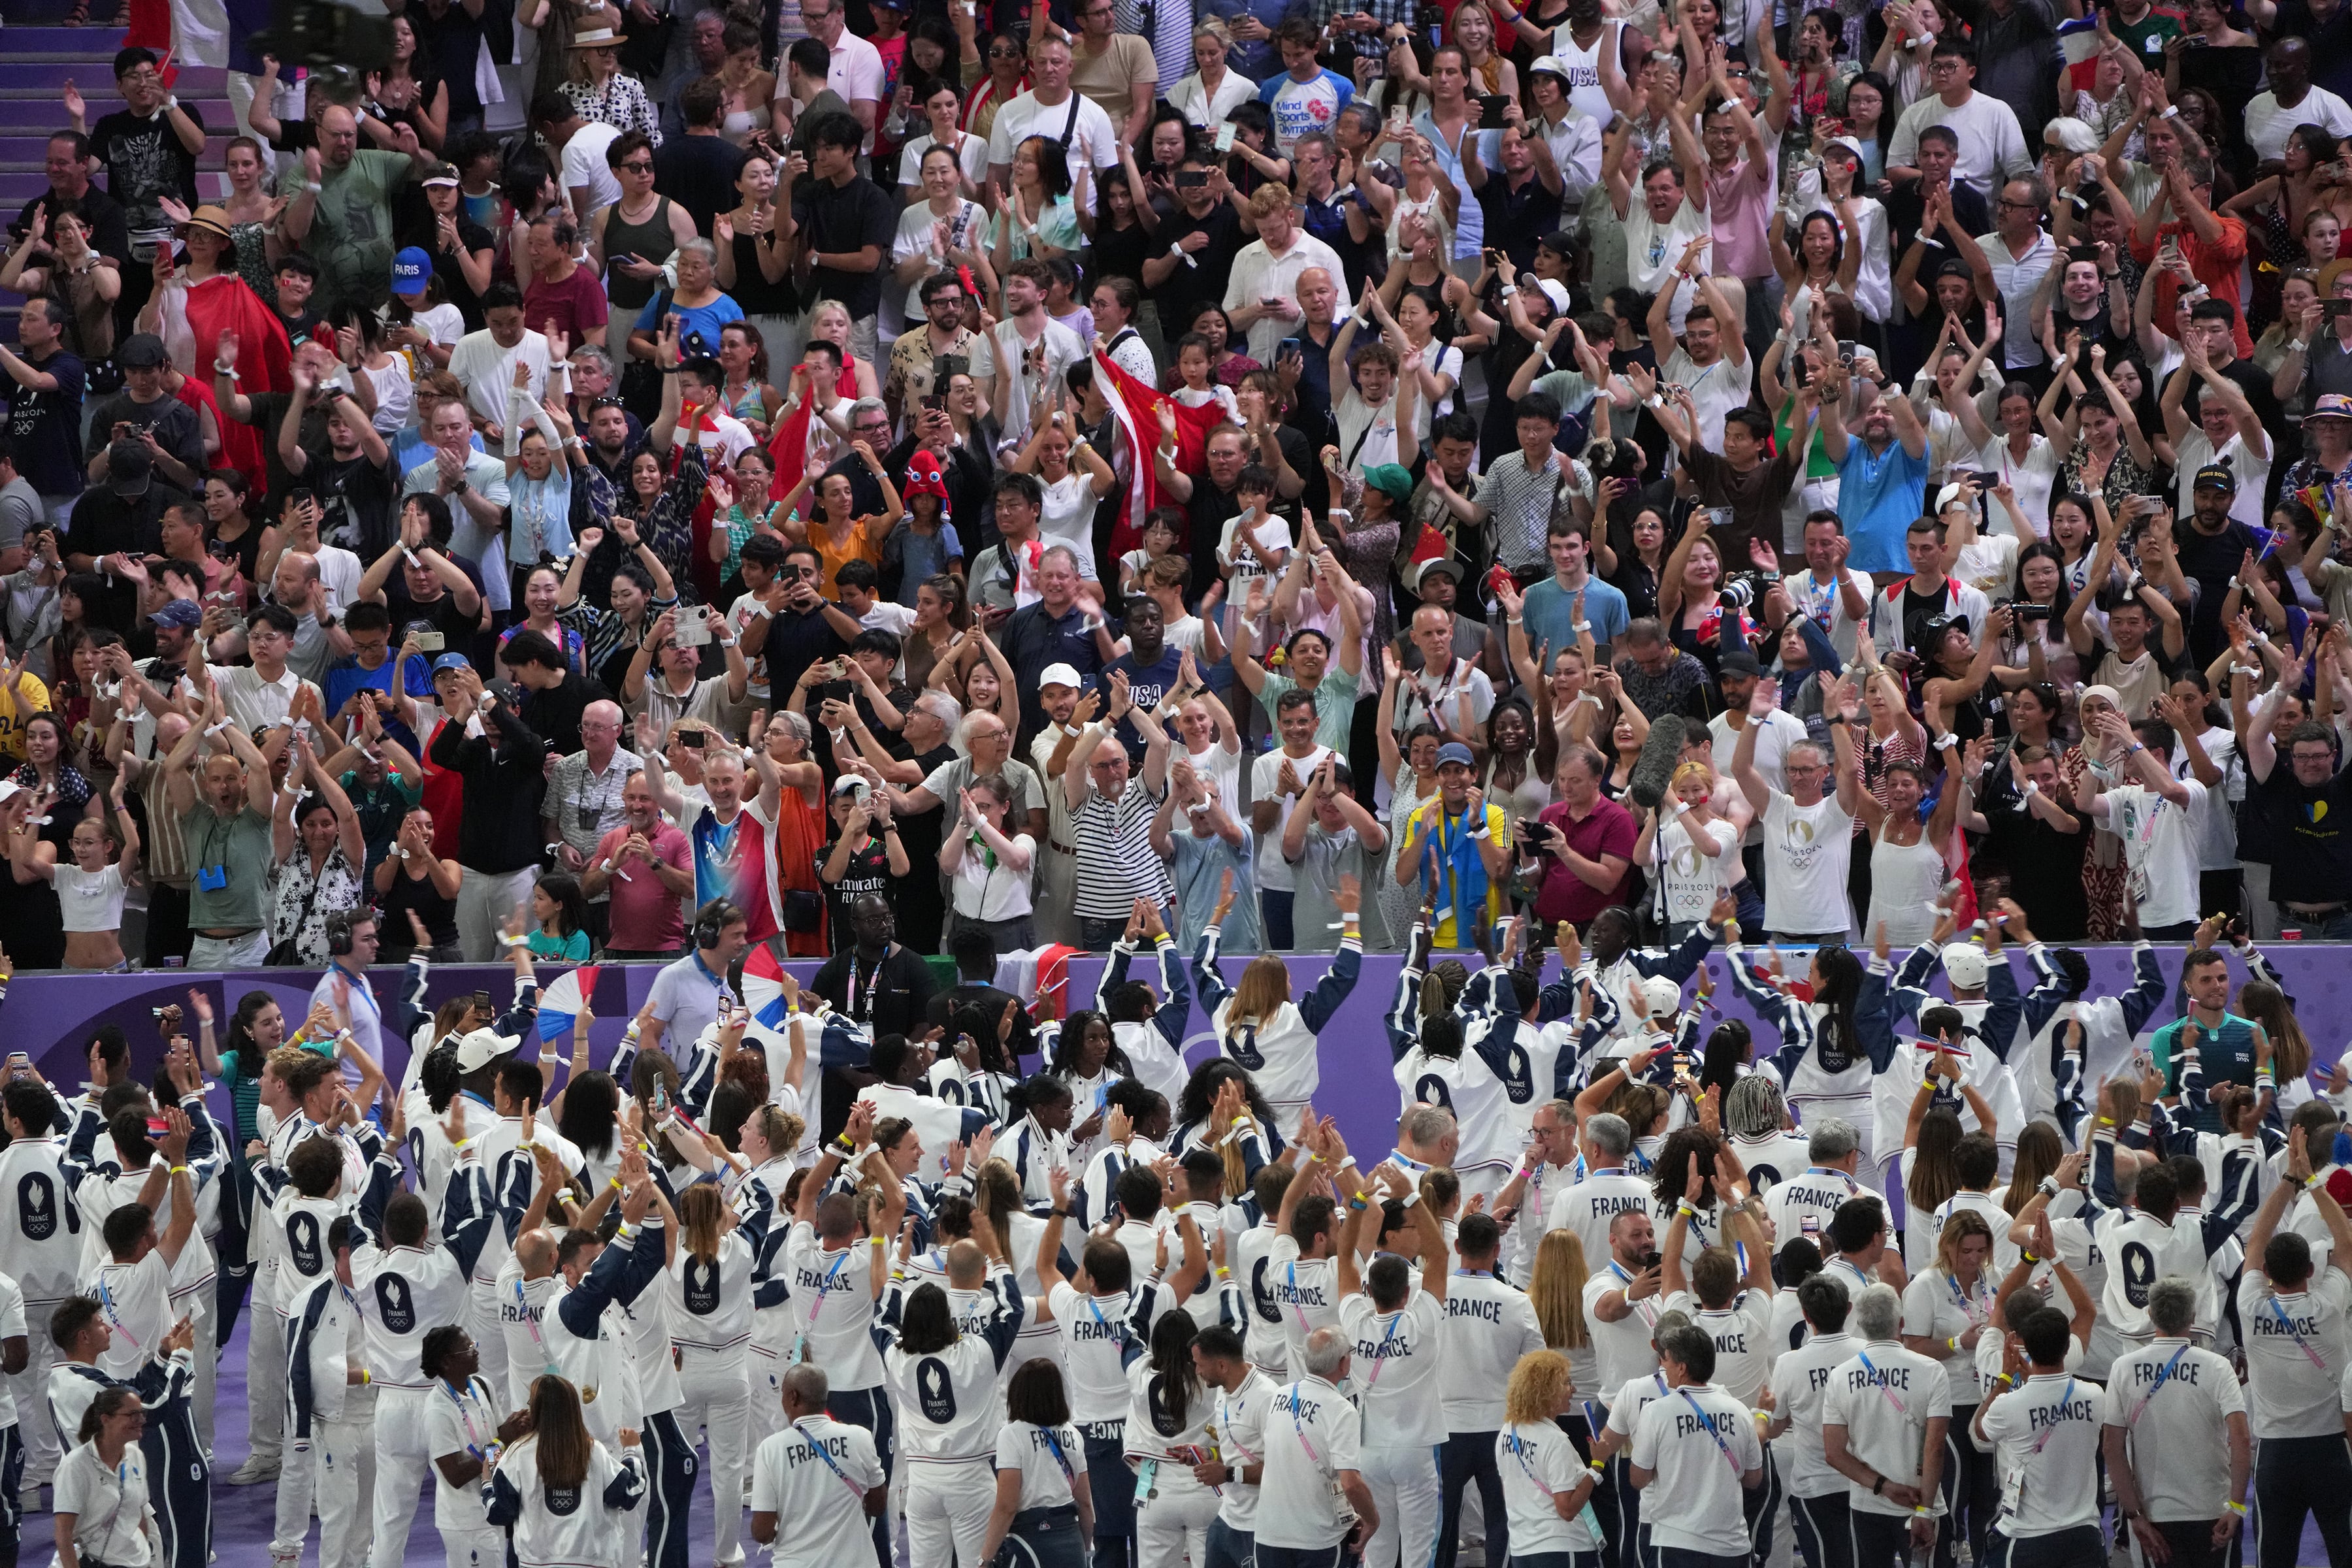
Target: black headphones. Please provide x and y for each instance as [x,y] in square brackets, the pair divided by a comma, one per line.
[339,926]
[714,918]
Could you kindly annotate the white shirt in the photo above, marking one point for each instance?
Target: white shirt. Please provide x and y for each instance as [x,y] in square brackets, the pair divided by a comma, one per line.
[1205,109]
[965,221]
[1885,1407]
[2160,848]
[2048,1483]
[2018,277]
[857,72]
[2193,451]
[1259,274]
[584,166]
[972,157]
[1694,1501]
[1091,135]
[820,1505]
[1652,254]
[2296,1346]
[113,1518]
[1622,1349]
[458,1424]
[1393,1363]
[1489,1325]
[1311,1435]
[1537,1462]
[1715,389]
[1274,874]
[1992,148]
[1011,349]
[832,1305]
[2267,126]
[1037,1454]
[2174,1402]
[252,702]
[1777,731]
[1239,1427]
[488,371]
[1805,862]
[1800,1381]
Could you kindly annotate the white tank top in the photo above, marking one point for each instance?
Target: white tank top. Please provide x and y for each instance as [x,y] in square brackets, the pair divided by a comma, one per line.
[1584,89]
[1904,880]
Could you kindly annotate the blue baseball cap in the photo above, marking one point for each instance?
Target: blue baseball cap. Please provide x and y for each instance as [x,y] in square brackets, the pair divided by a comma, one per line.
[1456,752]
[410,268]
[459,661]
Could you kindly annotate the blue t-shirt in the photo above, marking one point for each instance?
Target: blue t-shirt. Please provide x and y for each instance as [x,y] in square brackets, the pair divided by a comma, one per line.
[920,556]
[2228,1058]
[346,678]
[1549,616]
[709,319]
[1149,684]
[45,427]
[1880,498]
[1299,107]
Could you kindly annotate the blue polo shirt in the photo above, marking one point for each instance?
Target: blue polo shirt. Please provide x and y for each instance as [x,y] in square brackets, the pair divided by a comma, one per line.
[2227,1059]
[1549,616]
[1880,496]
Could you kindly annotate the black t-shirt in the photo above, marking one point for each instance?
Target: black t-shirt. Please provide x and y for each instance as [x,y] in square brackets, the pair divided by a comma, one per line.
[1187,289]
[104,523]
[424,231]
[797,639]
[868,871]
[175,423]
[1918,609]
[2310,831]
[1516,218]
[301,329]
[837,218]
[453,40]
[458,629]
[360,500]
[699,173]
[2211,561]
[45,428]
[145,161]
[2044,865]
[110,235]
[554,714]
[1210,508]
[267,411]
[2331,43]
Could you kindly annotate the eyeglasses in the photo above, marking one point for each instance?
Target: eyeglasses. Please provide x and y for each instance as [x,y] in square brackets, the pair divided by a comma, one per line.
[2017,206]
[998,54]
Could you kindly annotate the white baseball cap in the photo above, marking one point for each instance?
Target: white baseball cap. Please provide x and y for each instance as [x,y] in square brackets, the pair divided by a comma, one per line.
[1060,675]
[483,1046]
[1965,965]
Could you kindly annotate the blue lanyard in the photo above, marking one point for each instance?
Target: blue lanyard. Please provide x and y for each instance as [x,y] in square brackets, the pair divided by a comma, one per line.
[1379,1360]
[106,1299]
[1879,1382]
[465,1419]
[2064,1395]
[1298,1426]
[1708,1422]
[2162,1373]
[1054,1447]
[2288,1324]
[830,1463]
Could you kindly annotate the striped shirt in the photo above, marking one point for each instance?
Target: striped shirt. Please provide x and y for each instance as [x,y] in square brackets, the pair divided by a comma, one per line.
[1518,506]
[1115,865]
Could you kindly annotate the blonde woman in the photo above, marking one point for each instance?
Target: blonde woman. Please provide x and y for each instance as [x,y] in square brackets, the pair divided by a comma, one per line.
[1692,853]
[1556,1290]
[1212,91]
[1947,1308]
[1546,1483]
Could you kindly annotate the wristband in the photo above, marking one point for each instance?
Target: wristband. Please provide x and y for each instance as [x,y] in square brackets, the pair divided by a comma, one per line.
[179,1170]
[1357,1203]
[2237,1508]
[1411,1197]
[1223,1272]
[364,1379]
[1952,1342]
[2050,1185]
[1686,1211]
[1877,1485]
[2172,112]
[1349,1163]
[2027,1255]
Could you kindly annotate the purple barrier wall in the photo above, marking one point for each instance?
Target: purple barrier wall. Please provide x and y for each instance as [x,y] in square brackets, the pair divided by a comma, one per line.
[51,1015]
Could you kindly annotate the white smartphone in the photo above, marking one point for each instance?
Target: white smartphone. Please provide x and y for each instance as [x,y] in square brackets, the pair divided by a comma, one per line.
[1225,137]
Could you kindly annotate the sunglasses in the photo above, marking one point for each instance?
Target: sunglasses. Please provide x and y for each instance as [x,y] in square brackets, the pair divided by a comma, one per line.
[639,165]
[601,403]
[992,54]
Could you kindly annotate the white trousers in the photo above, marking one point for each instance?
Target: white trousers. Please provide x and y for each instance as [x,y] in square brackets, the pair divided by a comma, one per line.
[335,1471]
[485,902]
[30,1389]
[715,1395]
[207,1352]
[1174,1525]
[763,1375]
[481,1320]
[948,1504]
[1405,1488]
[482,1548]
[403,1458]
[265,1381]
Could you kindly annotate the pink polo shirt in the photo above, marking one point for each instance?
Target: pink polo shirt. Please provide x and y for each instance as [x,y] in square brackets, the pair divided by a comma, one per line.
[1738,209]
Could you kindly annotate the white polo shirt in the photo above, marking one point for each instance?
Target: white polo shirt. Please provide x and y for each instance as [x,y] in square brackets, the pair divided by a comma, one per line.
[1801,1381]
[812,1476]
[1311,1435]
[1699,1440]
[1394,1364]
[2046,1443]
[1884,1396]
[2174,1403]
[2296,1346]
[857,72]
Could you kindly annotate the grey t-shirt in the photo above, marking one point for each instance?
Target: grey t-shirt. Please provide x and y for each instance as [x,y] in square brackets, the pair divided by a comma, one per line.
[233,855]
[1315,909]
[684,997]
[20,508]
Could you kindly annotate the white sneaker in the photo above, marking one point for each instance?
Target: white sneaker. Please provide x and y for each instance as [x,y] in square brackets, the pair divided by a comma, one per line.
[254,1469]
[28,1500]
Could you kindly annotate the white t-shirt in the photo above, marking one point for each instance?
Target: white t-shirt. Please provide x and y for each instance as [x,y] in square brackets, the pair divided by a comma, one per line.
[964,224]
[1312,1433]
[1885,1407]
[821,1508]
[1715,390]
[2030,481]
[1800,1381]
[1037,1454]
[1367,435]
[972,158]
[1653,250]
[1781,729]
[2288,1393]
[2193,451]
[584,166]
[1274,874]
[1537,1461]
[1694,1501]
[1394,1363]
[90,900]
[487,370]
[458,1424]
[2174,1402]
[1805,865]
[2049,1482]
[2267,126]
[113,1517]
[1090,135]
[1992,147]
[2160,847]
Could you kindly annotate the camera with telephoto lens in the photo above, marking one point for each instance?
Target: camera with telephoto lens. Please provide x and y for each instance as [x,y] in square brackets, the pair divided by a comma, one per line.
[1738,592]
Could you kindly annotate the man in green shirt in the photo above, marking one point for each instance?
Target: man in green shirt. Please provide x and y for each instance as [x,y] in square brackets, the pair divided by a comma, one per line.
[347,200]
[224,820]
[1332,677]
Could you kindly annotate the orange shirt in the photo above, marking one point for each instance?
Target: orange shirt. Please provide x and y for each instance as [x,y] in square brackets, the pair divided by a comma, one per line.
[2216,265]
